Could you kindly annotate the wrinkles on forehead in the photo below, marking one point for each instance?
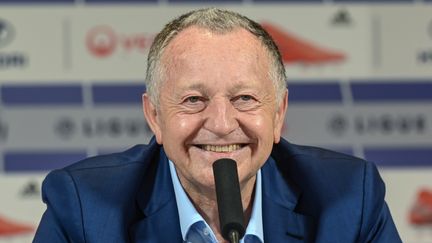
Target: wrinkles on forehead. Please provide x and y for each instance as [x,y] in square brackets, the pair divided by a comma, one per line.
[238,46]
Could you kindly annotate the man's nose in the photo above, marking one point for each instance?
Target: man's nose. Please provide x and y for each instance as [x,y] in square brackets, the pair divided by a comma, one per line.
[221,117]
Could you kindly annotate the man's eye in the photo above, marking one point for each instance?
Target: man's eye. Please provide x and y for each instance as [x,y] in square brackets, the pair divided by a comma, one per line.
[193,99]
[194,103]
[245,102]
[245,97]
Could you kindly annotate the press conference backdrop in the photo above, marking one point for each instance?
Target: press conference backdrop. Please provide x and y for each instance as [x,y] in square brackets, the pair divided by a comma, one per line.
[71,79]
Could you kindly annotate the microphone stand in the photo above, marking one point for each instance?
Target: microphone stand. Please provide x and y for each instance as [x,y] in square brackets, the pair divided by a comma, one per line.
[234,236]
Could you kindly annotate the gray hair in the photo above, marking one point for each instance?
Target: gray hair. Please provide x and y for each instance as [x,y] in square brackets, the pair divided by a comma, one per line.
[217,21]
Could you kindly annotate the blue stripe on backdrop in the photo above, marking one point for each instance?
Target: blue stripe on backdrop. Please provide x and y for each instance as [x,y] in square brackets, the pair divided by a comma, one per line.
[118,93]
[396,156]
[121,1]
[41,94]
[36,1]
[336,1]
[373,1]
[205,1]
[27,161]
[314,92]
[391,91]
[287,1]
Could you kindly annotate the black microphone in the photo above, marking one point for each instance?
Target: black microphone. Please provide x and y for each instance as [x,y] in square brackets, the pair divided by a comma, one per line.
[229,199]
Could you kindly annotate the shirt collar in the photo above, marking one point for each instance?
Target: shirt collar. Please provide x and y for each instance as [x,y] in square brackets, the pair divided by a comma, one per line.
[188,215]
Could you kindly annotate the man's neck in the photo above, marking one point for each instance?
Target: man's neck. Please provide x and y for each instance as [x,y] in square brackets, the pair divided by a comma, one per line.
[205,203]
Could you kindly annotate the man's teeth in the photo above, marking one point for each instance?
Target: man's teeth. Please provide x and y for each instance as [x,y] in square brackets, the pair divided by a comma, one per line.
[222,148]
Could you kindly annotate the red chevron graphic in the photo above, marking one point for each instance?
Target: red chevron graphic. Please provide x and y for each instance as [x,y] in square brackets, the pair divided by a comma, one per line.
[297,50]
[10,228]
[421,212]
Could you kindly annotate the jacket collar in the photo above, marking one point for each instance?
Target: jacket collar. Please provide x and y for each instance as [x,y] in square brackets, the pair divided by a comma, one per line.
[282,198]
[159,221]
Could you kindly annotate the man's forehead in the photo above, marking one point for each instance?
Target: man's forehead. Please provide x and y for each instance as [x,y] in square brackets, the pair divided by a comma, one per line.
[196,53]
[194,36]
[198,46]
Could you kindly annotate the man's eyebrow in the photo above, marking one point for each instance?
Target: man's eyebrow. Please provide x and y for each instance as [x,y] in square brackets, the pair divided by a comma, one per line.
[204,90]
[195,86]
[237,87]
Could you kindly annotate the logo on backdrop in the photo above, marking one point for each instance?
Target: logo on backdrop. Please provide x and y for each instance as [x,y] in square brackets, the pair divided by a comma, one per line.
[424,56]
[385,124]
[421,211]
[297,50]
[30,189]
[10,59]
[103,41]
[342,18]
[3,131]
[7,33]
[111,127]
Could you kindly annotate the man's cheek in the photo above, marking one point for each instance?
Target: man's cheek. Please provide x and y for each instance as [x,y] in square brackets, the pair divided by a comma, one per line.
[183,124]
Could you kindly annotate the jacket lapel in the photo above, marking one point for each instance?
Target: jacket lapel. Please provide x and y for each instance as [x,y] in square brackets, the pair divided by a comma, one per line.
[281,221]
[159,220]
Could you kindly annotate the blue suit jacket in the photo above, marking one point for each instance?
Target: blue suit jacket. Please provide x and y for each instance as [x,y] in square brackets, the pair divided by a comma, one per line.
[309,195]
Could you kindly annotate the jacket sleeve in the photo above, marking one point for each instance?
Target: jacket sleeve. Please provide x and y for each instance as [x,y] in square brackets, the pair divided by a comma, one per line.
[377,224]
[62,220]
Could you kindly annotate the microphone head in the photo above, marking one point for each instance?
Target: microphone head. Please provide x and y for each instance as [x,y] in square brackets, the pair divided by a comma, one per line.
[228,197]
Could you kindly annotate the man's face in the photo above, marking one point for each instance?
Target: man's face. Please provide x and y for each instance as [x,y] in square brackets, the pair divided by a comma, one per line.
[216,101]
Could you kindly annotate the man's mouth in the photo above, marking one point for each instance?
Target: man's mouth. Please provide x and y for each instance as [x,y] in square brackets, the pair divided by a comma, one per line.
[221,148]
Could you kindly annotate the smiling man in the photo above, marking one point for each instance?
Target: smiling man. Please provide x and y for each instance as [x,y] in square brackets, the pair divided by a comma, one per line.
[216,89]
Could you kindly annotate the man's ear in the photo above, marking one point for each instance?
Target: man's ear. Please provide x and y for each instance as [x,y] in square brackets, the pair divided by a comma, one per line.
[151,114]
[280,117]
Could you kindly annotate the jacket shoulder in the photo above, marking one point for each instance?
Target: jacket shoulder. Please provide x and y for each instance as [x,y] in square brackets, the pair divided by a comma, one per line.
[83,197]
[337,189]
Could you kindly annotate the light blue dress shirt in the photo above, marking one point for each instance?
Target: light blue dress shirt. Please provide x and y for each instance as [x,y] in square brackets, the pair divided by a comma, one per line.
[195,229]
